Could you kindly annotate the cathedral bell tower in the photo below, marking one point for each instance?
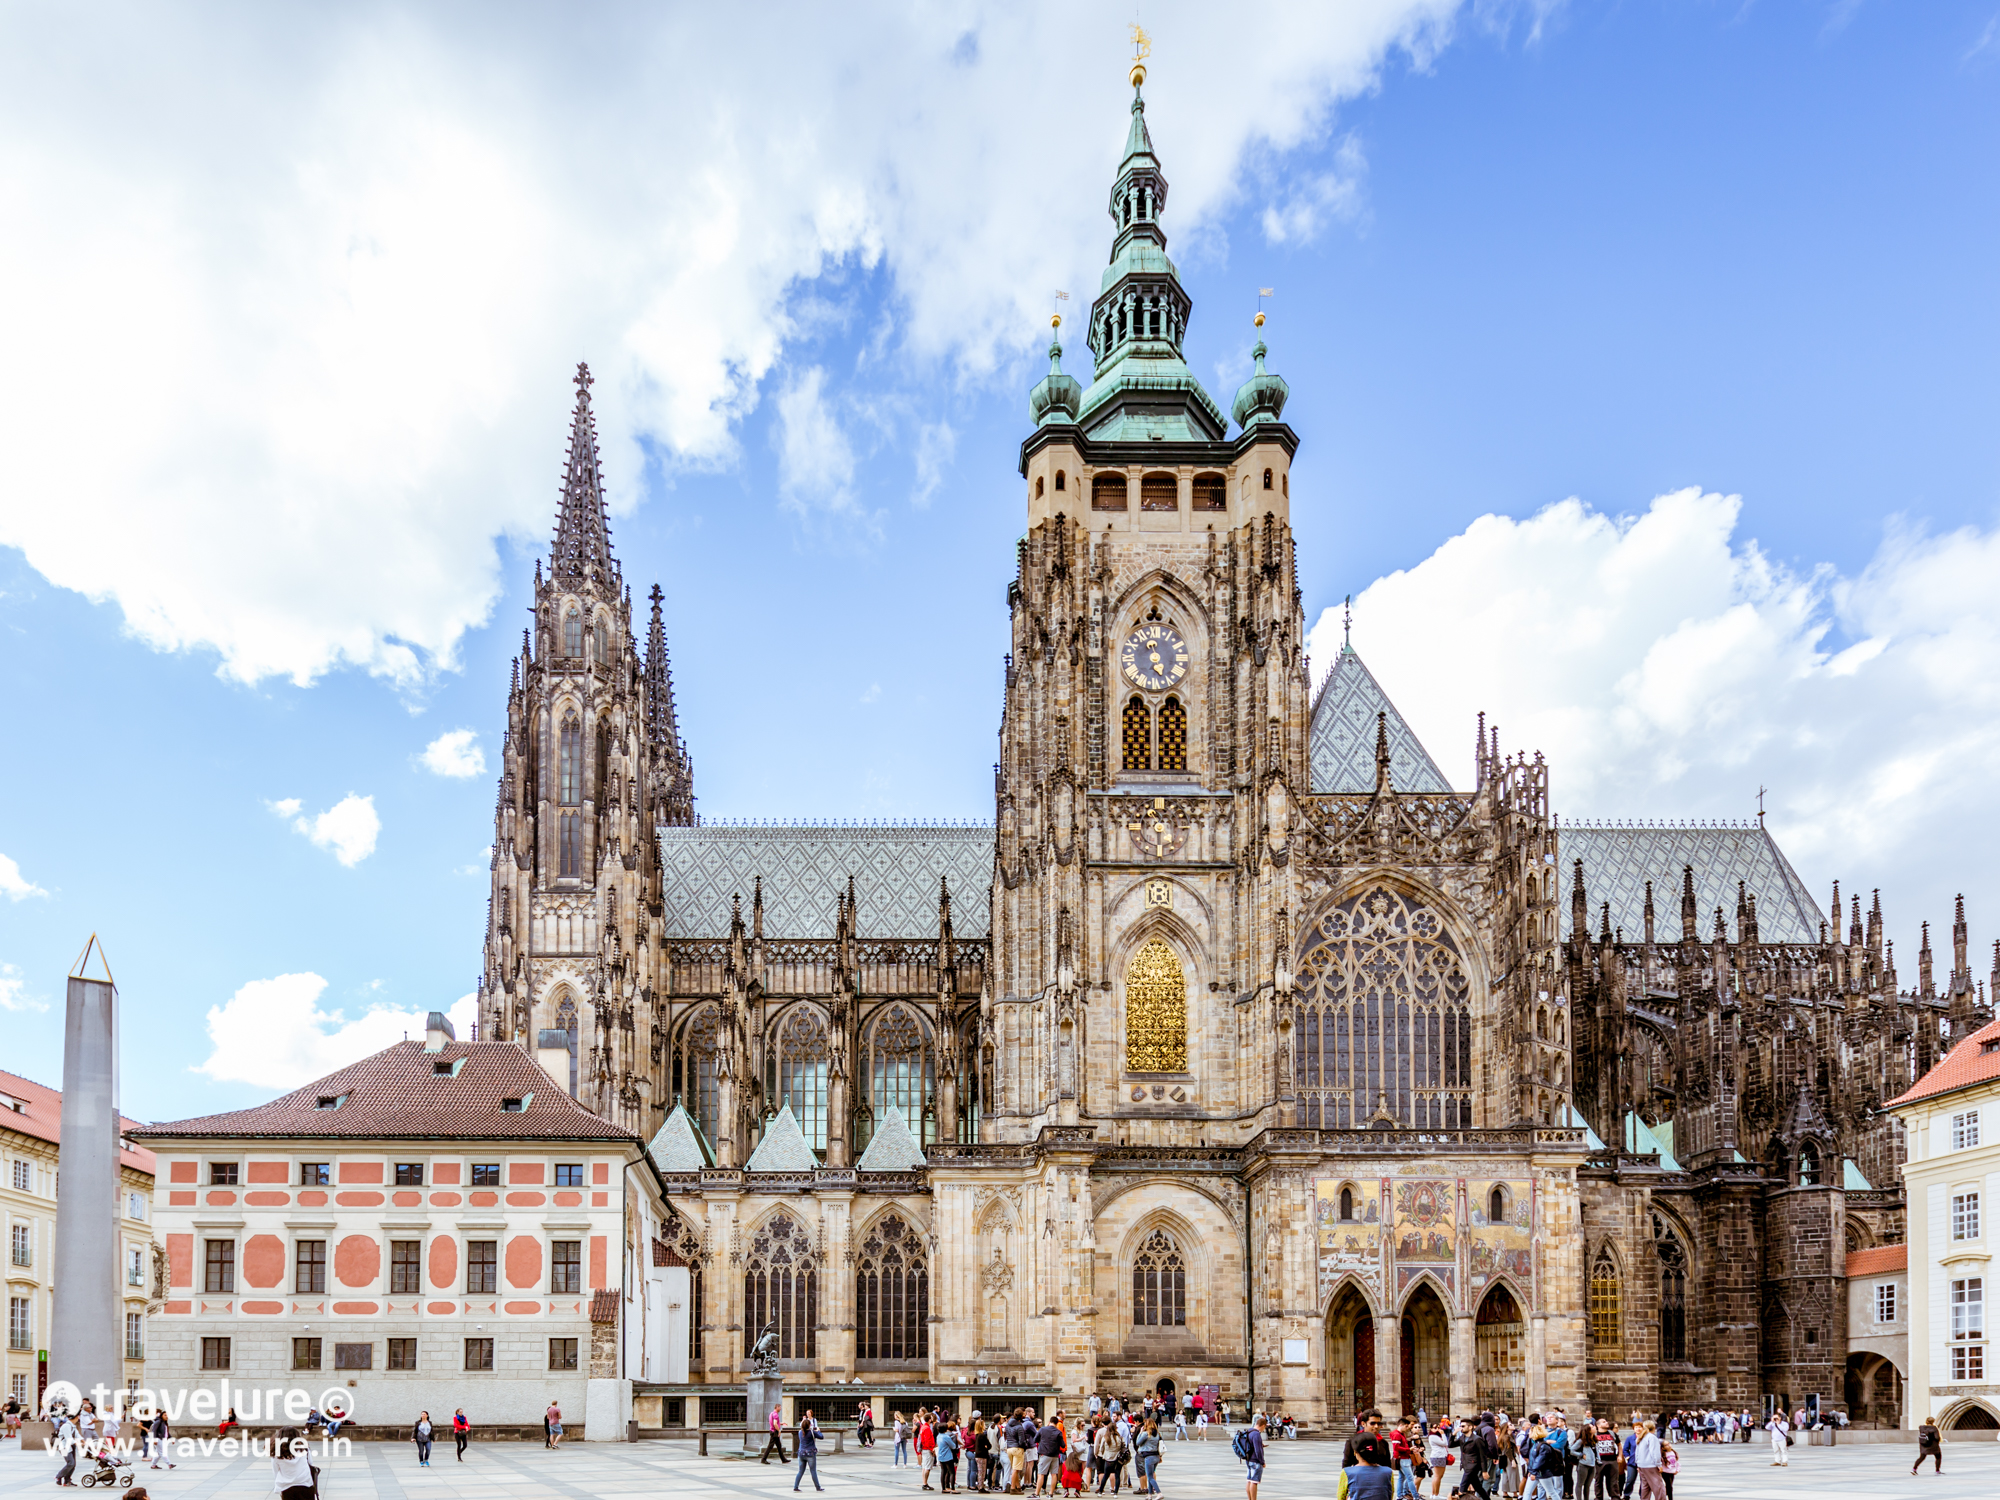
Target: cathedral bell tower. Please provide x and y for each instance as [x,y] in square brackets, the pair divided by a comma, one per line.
[1153,736]
[593,762]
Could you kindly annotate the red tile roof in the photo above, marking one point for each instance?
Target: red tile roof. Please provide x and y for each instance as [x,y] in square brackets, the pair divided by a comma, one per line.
[1878,1261]
[604,1306]
[1970,1062]
[40,1115]
[398,1094]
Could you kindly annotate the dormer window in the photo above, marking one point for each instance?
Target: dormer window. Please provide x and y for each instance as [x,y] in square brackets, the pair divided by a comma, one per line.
[330,1101]
[515,1106]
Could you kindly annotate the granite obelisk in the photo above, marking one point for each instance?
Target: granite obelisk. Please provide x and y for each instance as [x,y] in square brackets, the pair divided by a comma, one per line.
[84,1332]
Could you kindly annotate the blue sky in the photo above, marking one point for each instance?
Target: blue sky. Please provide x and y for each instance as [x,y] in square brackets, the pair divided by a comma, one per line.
[288,404]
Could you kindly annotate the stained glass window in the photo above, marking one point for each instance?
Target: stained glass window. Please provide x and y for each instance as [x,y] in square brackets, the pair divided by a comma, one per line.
[698,1095]
[1155,1011]
[1673,1293]
[1385,1019]
[1159,1283]
[1138,736]
[892,1293]
[798,1070]
[1606,1307]
[782,1283]
[570,778]
[1173,736]
[902,1072]
[683,1241]
[573,634]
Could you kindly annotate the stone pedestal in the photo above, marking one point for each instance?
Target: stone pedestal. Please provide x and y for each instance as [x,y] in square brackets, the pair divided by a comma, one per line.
[761,1393]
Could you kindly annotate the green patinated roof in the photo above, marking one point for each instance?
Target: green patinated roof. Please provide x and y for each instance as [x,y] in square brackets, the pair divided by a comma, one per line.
[1640,1140]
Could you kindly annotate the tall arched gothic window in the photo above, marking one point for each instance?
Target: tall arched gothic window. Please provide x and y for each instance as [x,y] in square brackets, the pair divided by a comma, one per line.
[573,633]
[1159,1283]
[571,863]
[1607,1330]
[782,1283]
[892,1293]
[1173,736]
[1385,1018]
[603,643]
[1138,736]
[901,1070]
[682,1240]
[798,1071]
[570,777]
[1673,1292]
[1155,1011]
[696,1063]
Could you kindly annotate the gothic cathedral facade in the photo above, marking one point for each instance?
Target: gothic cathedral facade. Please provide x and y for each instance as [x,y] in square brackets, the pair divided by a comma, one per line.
[1239,1050]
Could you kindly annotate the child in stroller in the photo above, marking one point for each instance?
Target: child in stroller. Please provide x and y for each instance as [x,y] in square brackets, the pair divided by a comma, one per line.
[110,1469]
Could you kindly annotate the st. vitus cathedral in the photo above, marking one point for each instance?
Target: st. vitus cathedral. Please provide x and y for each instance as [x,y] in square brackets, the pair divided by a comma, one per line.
[1240,1049]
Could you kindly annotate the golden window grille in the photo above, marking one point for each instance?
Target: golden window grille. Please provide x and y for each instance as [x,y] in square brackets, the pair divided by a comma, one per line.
[1173,736]
[1138,737]
[1606,1307]
[1155,1011]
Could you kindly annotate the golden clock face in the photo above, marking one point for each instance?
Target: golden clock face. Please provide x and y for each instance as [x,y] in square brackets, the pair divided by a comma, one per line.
[1153,658]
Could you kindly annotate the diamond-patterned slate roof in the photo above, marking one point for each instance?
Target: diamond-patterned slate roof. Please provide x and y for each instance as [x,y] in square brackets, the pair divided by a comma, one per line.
[1618,860]
[895,868]
[783,1148]
[677,1146]
[893,1148]
[1342,746]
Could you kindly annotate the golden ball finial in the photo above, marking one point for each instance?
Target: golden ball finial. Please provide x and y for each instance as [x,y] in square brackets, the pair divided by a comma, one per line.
[1259,323]
[1055,320]
[1138,74]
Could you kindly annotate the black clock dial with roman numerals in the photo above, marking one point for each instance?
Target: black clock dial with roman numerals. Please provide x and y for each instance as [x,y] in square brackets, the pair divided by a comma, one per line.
[1153,658]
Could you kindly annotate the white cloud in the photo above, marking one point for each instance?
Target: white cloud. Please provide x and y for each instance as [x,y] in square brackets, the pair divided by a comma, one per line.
[14,990]
[1668,668]
[292,296]
[815,459]
[1318,197]
[936,444]
[349,827]
[274,1033]
[13,884]
[455,753]
[873,694]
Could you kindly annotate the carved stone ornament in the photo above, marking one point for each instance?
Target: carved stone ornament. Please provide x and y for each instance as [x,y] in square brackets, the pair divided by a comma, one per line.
[996,1276]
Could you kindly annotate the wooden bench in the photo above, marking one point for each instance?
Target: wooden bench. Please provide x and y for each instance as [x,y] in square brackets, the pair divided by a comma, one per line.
[838,1435]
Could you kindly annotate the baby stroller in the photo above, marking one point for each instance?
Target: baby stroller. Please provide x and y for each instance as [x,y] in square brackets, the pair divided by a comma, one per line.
[112,1471]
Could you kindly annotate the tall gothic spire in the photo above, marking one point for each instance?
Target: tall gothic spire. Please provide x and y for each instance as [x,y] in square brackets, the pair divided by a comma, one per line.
[1143,388]
[583,536]
[668,752]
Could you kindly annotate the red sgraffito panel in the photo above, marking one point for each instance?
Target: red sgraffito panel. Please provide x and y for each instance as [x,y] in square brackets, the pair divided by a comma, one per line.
[357,1260]
[524,1261]
[180,1260]
[268,1171]
[444,1262]
[263,1260]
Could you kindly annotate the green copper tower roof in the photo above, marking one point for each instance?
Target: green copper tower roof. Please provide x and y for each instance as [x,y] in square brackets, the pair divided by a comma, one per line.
[1143,388]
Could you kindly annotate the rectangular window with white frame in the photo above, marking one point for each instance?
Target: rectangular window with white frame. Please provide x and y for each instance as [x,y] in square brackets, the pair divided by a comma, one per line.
[1968,1328]
[23,1245]
[1885,1301]
[1965,1130]
[20,1323]
[1965,1216]
[135,1266]
[24,1177]
[135,1335]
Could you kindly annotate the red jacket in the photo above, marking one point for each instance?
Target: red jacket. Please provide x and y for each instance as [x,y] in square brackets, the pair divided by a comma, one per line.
[1399,1446]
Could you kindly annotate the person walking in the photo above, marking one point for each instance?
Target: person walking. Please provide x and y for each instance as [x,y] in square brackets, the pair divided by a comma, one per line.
[1437,1454]
[1110,1451]
[422,1434]
[461,1429]
[1180,1424]
[69,1443]
[775,1441]
[1670,1465]
[806,1438]
[1146,1448]
[1929,1445]
[1781,1439]
[899,1433]
[864,1427]
[554,1415]
[156,1439]
[1249,1446]
[292,1476]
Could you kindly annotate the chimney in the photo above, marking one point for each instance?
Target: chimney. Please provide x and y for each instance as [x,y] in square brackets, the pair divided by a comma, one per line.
[437,1031]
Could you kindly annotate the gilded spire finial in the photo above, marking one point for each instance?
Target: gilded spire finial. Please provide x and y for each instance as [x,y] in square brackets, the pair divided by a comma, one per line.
[1142,48]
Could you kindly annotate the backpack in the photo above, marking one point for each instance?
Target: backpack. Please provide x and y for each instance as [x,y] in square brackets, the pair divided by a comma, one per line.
[1240,1445]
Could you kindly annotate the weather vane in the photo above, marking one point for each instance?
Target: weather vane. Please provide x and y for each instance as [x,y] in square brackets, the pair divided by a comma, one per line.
[1262,293]
[1055,317]
[1142,48]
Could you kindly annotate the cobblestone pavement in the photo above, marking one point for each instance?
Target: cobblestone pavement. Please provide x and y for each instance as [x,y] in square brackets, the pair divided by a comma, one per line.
[588,1471]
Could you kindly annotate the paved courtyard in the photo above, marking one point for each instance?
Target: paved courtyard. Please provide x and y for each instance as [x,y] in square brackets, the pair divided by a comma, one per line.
[588,1471]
